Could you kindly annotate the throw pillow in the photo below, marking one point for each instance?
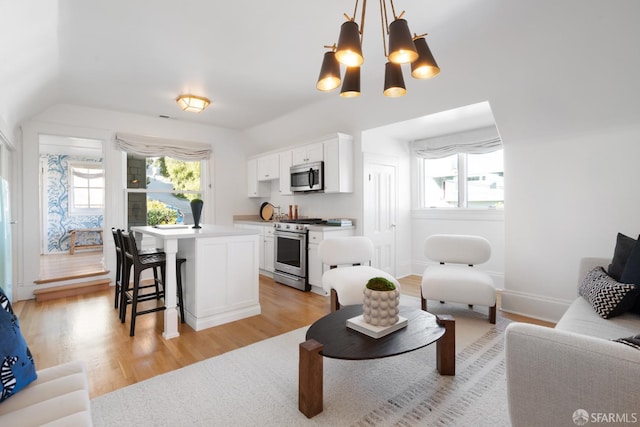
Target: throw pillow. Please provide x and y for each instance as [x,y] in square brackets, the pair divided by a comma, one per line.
[607,296]
[631,272]
[17,369]
[630,341]
[624,246]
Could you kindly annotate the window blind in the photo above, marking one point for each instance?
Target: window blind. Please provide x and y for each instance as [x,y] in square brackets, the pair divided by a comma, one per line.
[149,146]
[478,141]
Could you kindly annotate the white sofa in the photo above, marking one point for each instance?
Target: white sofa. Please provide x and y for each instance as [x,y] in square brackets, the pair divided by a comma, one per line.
[553,372]
[58,397]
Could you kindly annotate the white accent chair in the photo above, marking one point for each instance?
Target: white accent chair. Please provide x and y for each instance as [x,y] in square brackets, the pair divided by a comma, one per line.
[454,279]
[352,255]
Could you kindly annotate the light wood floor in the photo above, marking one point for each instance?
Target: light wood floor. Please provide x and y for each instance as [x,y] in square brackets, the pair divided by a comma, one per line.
[86,327]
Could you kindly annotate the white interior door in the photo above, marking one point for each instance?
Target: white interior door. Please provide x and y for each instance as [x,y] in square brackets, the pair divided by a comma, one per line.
[380,210]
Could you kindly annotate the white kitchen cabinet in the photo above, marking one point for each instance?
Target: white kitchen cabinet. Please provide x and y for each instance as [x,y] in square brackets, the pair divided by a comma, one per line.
[255,188]
[315,266]
[268,167]
[269,249]
[285,175]
[266,247]
[338,164]
[308,153]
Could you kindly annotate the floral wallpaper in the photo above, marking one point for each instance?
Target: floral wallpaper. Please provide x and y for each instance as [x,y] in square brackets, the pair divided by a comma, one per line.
[58,220]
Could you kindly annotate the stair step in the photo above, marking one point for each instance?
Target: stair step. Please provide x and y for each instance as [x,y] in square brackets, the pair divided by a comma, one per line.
[74,276]
[73,289]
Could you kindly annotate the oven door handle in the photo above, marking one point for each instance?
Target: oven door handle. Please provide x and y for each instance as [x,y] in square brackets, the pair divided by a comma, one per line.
[290,235]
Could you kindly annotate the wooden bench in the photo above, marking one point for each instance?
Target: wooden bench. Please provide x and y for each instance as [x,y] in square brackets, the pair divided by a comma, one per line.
[75,245]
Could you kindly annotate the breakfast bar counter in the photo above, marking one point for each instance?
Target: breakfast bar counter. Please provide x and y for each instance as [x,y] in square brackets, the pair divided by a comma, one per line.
[220,276]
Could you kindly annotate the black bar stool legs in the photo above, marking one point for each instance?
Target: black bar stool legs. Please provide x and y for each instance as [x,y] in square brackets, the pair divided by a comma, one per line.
[179,263]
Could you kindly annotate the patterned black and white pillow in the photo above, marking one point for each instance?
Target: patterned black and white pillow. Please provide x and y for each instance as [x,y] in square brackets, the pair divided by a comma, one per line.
[630,341]
[608,297]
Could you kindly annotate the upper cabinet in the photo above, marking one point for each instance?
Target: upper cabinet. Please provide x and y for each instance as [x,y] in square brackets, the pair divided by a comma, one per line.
[335,150]
[255,188]
[268,167]
[338,164]
[308,153]
[285,176]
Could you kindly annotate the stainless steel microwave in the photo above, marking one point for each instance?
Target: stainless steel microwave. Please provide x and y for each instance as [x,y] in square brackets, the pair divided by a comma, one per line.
[307,177]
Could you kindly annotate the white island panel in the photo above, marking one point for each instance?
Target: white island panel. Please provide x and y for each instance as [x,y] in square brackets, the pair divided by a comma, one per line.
[222,280]
[219,278]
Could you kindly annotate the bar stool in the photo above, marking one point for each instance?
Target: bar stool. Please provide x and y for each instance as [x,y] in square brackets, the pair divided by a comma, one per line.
[134,295]
[121,265]
[179,262]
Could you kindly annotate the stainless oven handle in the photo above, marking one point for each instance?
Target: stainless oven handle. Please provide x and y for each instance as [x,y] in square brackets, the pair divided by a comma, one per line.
[290,235]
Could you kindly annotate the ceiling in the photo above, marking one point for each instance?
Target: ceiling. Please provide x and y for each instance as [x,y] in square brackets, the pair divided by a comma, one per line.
[255,60]
[258,62]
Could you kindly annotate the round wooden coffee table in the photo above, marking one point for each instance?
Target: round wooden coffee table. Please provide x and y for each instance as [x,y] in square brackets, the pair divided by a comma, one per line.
[330,337]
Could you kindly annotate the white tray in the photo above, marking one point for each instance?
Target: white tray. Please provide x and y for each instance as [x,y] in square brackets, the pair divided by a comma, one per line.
[358,324]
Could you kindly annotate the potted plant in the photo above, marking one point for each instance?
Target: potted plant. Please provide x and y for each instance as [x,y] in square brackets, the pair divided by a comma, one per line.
[381,301]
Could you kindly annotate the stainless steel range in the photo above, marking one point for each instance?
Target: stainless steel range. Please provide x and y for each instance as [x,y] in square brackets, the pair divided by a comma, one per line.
[291,252]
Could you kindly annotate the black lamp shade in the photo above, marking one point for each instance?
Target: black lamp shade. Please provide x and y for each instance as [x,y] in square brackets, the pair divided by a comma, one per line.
[329,77]
[425,66]
[351,84]
[393,80]
[401,47]
[349,49]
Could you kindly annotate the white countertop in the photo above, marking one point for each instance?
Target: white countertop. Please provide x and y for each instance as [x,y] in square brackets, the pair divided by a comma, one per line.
[312,227]
[207,230]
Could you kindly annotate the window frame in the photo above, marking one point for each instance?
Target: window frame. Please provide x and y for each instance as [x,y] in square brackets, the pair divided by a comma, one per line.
[73,210]
[203,192]
[463,195]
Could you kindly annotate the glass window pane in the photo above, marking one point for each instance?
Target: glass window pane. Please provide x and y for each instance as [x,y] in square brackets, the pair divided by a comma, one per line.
[159,208]
[161,179]
[441,182]
[97,182]
[80,182]
[80,198]
[96,197]
[485,180]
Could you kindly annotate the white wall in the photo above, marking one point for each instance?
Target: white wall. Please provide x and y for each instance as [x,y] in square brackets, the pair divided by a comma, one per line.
[552,105]
[567,199]
[229,171]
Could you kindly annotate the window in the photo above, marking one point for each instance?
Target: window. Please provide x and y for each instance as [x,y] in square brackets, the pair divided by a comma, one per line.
[463,181]
[160,189]
[86,188]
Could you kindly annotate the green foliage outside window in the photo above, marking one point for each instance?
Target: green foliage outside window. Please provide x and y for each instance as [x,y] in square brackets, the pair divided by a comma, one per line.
[159,213]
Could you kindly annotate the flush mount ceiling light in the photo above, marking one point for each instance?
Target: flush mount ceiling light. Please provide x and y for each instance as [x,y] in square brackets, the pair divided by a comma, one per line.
[193,103]
[403,49]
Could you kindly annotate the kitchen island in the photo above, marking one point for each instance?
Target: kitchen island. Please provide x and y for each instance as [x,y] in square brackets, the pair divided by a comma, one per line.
[219,278]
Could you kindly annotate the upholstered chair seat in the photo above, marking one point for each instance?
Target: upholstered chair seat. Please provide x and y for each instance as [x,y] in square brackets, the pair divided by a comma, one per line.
[348,259]
[455,279]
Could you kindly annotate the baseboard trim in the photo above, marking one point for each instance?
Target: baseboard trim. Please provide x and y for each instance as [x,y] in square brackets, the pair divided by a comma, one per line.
[535,306]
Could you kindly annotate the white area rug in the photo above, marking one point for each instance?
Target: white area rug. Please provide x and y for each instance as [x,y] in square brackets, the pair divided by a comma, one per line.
[258,386]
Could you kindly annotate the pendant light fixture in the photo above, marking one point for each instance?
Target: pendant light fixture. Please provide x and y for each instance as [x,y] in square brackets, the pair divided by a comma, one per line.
[329,78]
[351,85]
[403,49]
[193,103]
